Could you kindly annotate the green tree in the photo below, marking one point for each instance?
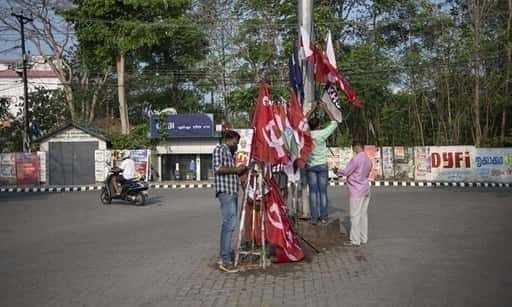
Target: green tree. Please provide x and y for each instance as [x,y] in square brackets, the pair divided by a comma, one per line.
[48,109]
[110,31]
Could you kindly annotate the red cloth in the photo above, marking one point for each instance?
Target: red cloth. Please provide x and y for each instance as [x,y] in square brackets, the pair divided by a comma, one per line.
[278,228]
[267,143]
[298,124]
[325,73]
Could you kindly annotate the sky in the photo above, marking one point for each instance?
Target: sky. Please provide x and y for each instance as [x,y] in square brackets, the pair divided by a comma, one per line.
[10,41]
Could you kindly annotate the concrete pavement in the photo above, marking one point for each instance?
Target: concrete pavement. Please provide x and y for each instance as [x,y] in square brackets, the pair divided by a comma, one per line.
[442,247]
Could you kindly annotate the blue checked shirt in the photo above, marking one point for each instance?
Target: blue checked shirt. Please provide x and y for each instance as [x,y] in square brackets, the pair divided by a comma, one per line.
[224,183]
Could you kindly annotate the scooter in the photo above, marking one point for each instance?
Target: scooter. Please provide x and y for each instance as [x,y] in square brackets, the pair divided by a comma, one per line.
[135,191]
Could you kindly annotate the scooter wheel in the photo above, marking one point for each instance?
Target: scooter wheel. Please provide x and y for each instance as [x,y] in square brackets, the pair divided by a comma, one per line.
[140,199]
[104,197]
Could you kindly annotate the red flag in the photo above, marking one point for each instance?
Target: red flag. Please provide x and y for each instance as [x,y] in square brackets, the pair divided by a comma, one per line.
[278,228]
[325,72]
[298,123]
[267,141]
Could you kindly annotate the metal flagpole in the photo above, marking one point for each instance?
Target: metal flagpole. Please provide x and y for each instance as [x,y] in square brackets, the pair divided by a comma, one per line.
[305,20]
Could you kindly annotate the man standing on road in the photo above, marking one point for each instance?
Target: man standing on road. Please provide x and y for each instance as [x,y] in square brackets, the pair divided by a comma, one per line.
[357,173]
[226,189]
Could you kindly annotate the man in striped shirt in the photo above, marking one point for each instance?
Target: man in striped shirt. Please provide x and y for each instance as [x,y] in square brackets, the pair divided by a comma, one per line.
[226,191]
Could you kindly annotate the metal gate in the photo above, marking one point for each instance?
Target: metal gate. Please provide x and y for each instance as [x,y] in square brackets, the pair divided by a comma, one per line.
[71,163]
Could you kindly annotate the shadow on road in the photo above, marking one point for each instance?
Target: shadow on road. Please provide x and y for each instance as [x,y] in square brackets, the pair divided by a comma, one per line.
[150,201]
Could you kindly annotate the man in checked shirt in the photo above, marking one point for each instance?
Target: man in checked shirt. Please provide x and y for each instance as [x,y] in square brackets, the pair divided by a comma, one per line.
[226,190]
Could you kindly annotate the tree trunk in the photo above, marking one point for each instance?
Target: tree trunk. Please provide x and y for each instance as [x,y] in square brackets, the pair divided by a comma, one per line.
[123,106]
[91,115]
[507,78]
[418,119]
[476,112]
[478,11]
[68,93]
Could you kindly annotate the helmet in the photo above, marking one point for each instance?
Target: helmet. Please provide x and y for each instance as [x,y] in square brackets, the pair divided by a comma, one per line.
[126,155]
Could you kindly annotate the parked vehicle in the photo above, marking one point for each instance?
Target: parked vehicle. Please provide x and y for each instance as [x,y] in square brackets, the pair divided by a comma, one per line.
[134,191]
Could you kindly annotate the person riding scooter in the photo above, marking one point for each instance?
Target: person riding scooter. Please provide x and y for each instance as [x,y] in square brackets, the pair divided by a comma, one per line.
[128,167]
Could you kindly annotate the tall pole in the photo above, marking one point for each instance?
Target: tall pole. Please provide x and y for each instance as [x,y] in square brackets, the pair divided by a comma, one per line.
[305,20]
[26,128]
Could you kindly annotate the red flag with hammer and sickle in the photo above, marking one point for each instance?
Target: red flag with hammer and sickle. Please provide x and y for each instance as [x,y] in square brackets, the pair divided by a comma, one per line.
[267,142]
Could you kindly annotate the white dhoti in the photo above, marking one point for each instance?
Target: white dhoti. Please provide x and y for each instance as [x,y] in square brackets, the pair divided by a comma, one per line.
[359,219]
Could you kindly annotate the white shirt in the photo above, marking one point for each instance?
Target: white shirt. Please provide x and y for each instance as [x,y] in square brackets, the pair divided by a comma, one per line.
[128,167]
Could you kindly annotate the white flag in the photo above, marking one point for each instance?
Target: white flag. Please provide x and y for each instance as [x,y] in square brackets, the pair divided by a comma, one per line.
[306,42]
[329,50]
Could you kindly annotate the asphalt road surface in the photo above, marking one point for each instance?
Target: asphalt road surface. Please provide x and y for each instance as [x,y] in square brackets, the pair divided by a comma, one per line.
[427,247]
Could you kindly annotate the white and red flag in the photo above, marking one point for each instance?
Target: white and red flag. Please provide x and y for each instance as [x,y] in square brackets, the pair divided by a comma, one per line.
[325,72]
[305,43]
[268,141]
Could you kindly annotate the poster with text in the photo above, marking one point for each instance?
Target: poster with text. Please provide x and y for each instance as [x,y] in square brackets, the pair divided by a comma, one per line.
[27,168]
[338,157]
[493,165]
[42,165]
[102,162]
[7,169]
[243,153]
[141,159]
[452,163]
[333,160]
[422,163]
[373,153]
[404,163]
[387,162]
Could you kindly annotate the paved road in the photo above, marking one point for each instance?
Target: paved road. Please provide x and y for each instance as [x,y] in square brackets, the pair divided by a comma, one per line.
[428,247]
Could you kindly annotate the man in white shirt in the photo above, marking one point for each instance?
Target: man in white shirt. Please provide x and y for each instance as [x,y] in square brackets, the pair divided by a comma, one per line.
[128,167]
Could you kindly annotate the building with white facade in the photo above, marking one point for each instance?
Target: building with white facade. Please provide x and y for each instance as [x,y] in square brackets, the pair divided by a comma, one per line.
[39,75]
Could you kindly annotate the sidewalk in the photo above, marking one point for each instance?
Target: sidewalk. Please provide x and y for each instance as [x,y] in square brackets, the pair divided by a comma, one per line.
[209,184]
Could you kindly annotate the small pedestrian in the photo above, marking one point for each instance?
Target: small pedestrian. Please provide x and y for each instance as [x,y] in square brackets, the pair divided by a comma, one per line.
[357,173]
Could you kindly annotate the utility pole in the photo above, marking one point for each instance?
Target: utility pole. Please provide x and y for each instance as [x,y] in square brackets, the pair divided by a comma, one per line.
[305,20]
[26,127]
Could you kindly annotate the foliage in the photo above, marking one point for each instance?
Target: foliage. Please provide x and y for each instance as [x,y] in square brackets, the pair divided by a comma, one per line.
[48,109]
[10,136]
[137,139]
[428,72]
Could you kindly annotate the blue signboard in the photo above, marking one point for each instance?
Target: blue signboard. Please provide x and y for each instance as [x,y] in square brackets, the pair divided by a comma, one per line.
[183,125]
